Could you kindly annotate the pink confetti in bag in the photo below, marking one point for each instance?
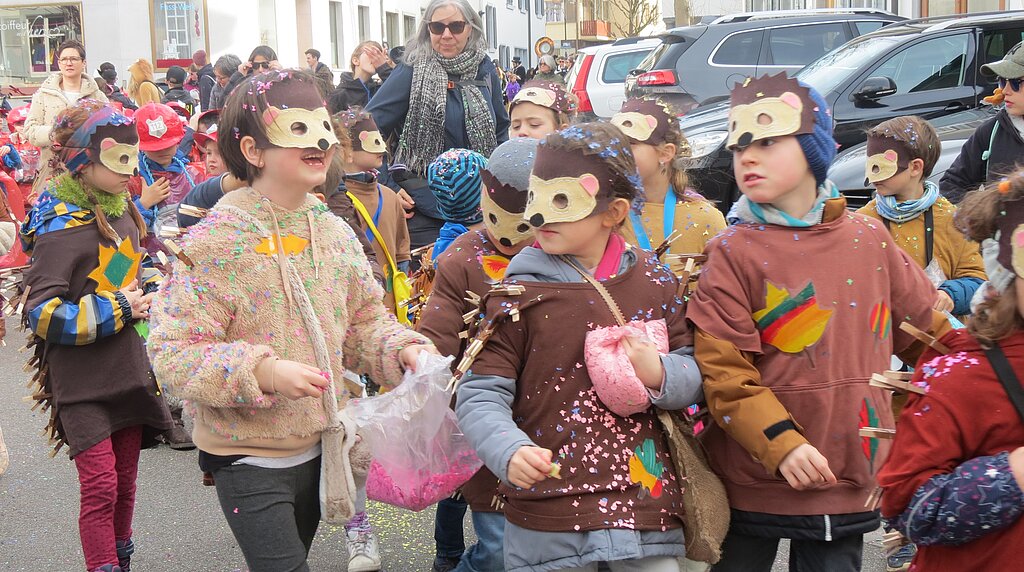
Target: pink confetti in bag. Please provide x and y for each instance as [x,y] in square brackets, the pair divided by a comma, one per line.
[610,370]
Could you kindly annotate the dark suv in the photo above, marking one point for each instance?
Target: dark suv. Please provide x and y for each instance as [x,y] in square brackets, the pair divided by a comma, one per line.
[695,65]
[927,67]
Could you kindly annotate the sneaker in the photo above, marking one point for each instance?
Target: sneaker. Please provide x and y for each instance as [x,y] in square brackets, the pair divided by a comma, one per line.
[125,549]
[108,568]
[900,560]
[363,554]
[442,564]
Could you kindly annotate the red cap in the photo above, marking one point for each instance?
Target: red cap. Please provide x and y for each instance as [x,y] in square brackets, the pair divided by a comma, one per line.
[180,109]
[202,139]
[18,114]
[159,127]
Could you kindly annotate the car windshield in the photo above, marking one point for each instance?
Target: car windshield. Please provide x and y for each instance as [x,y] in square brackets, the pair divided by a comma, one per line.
[831,70]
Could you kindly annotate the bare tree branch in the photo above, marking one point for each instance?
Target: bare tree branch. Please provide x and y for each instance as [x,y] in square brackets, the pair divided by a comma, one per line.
[637,15]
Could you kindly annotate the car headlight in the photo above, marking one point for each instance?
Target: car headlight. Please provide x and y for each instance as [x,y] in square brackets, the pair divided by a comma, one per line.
[703,144]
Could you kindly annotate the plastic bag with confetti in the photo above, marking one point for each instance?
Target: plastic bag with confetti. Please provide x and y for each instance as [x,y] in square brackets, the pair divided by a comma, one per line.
[609,367]
[420,454]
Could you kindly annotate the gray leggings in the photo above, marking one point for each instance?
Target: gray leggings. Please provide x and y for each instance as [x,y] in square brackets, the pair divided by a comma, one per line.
[273,513]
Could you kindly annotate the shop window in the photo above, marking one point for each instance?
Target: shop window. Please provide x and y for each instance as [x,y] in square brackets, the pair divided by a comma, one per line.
[30,36]
[179,29]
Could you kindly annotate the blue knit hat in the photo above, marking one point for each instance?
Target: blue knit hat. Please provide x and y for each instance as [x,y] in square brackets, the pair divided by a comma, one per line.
[792,108]
[819,146]
[454,179]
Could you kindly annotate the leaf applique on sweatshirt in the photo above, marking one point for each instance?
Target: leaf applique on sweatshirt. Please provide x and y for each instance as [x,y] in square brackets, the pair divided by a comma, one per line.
[881,320]
[644,468]
[117,267]
[494,266]
[868,418]
[290,243]
[791,323]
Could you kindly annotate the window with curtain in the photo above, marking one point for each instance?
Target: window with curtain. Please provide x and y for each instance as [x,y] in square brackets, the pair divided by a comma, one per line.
[179,29]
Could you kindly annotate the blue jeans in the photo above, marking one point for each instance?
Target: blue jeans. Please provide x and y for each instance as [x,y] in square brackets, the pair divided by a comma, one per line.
[450,542]
[487,554]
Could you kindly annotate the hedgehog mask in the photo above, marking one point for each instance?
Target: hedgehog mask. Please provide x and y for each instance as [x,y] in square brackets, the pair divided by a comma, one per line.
[567,186]
[295,115]
[646,121]
[887,157]
[506,180]
[106,138]
[363,132]
[770,106]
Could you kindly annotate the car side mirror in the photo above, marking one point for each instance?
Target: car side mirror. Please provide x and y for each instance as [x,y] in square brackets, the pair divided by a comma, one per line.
[874,88]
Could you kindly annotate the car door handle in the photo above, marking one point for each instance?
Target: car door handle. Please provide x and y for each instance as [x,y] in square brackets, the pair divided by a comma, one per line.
[955,106]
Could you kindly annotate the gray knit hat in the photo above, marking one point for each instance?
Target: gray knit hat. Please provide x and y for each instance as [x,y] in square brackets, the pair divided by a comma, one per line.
[506,182]
[1010,67]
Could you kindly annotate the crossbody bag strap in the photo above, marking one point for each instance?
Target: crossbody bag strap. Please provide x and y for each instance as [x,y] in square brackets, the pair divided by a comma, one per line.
[616,312]
[373,228]
[1004,371]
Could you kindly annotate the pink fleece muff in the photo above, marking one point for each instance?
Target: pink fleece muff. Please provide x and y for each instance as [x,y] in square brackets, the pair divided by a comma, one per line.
[610,370]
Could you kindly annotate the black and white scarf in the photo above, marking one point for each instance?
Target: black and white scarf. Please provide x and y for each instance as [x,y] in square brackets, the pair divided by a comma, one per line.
[422,137]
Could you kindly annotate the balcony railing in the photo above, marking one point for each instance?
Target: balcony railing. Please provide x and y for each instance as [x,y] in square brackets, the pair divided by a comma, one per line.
[595,29]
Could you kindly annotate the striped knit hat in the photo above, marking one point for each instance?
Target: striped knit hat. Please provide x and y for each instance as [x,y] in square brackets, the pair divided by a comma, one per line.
[454,178]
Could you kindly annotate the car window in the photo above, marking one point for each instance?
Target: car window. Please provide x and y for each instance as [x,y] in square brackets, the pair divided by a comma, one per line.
[866,26]
[801,45]
[932,64]
[739,49]
[616,66]
[995,43]
[829,71]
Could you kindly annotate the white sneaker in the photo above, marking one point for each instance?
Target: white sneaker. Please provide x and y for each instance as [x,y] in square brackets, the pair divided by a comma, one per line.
[363,554]
[5,459]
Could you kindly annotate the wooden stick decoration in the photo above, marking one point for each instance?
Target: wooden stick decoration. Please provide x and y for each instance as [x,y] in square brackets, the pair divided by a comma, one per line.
[874,499]
[877,433]
[895,384]
[667,243]
[893,541]
[924,337]
[179,253]
[192,211]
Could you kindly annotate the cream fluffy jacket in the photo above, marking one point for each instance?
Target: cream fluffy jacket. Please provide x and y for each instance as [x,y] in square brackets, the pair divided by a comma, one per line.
[47,102]
[214,321]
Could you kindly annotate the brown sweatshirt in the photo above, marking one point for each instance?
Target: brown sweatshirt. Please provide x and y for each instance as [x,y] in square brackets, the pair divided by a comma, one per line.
[792,322]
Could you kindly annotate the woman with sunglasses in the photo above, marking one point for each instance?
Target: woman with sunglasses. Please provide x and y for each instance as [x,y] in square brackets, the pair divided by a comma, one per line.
[60,91]
[445,94]
[998,144]
[262,58]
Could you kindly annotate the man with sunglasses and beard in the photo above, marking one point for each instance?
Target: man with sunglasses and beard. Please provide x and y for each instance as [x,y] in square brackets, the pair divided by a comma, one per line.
[998,144]
[446,94]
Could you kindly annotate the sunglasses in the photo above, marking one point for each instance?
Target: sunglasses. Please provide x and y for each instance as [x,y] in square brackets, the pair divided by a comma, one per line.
[438,28]
[1014,83]
[264,65]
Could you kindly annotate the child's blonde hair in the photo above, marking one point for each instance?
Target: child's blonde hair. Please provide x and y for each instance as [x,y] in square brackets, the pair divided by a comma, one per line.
[997,316]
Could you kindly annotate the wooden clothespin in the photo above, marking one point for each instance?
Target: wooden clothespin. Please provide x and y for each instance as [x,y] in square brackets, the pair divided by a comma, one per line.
[877,432]
[169,231]
[667,243]
[874,499]
[890,381]
[924,337]
[892,541]
[508,290]
[192,211]
[179,253]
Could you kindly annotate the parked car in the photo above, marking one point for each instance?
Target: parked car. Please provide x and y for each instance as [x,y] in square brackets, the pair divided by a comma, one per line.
[597,76]
[847,172]
[695,65]
[928,67]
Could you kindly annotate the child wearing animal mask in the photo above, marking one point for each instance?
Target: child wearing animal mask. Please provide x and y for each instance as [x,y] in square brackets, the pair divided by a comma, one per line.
[276,249]
[557,419]
[798,304]
[540,108]
[89,292]
[671,208]
[474,262]
[384,220]
[901,154]
[954,477]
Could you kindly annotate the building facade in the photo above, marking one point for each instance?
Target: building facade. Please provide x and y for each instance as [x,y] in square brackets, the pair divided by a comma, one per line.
[168,32]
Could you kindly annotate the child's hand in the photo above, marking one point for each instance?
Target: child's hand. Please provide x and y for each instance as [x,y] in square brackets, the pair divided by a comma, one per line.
[291,379]
[140,302]
[805,468]
[1017,465]
[408,355]
[943,302]
[646,361]
[529,466]
[155,193]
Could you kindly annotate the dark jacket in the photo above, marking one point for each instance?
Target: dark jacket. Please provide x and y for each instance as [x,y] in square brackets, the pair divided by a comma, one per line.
[114,93]
[324,79]
[180,95]
[969,170]
[236,78]
[351,91]
[391,103]
[206,82]
[204,195]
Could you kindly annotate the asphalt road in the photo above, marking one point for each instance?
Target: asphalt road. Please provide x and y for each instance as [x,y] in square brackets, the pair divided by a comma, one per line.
[178,523]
